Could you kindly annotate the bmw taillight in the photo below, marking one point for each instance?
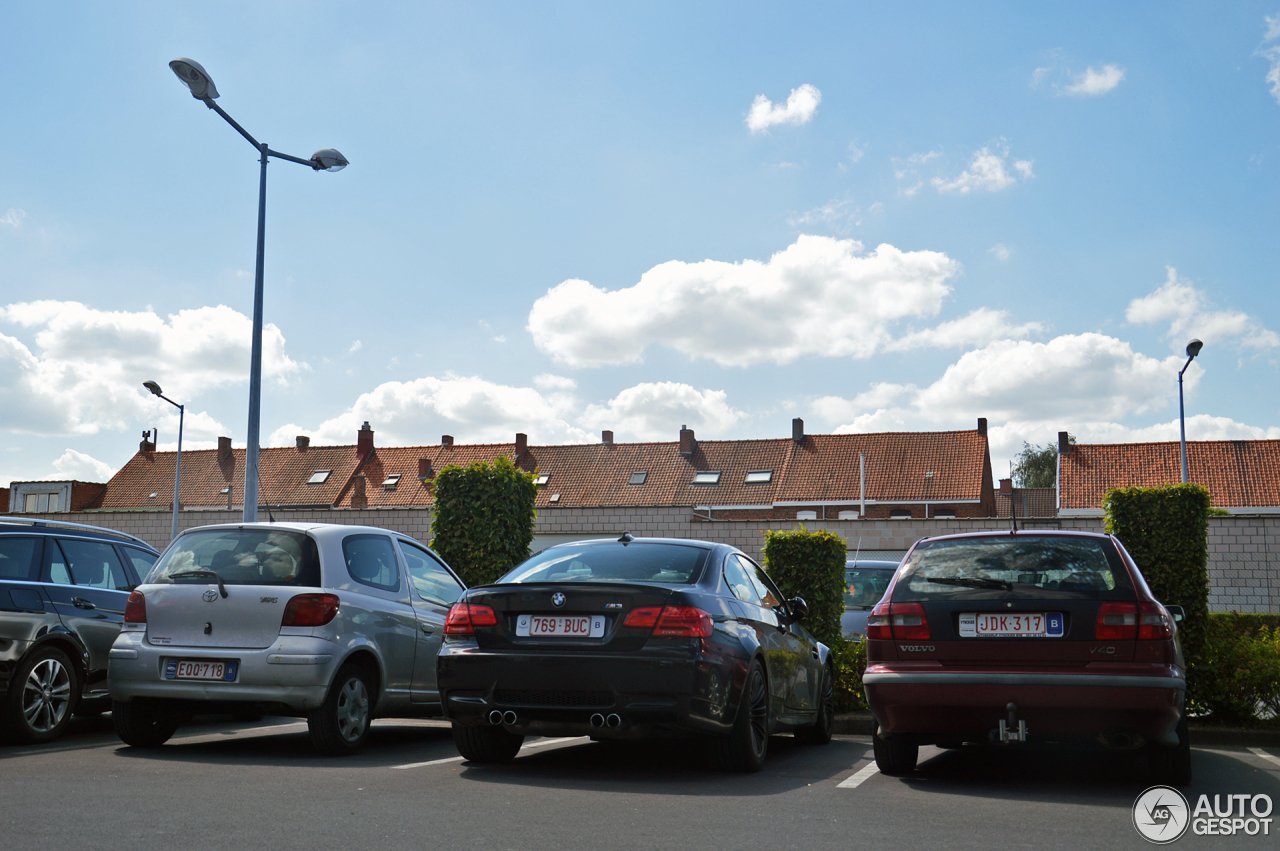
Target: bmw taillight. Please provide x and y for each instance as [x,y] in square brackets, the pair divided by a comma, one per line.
[646,618]
[1153,622]
[310,610]
[135,610]
[671,621]
[898,620]
[463,618]
[1117,622]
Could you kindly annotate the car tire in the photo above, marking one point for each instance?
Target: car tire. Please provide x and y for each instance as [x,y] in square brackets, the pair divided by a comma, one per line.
[745,748]
[42,696]
[341,724]
[141,724]
[1171,766]
[896,754]
[486,744]
[819,733]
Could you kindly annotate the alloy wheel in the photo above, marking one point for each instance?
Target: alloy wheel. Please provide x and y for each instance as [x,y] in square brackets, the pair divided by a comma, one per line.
[46,695]
[759,704]
[353,709]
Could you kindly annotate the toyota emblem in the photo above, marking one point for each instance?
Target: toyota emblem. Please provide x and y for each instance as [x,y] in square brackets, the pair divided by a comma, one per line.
[209,596]
[557,599]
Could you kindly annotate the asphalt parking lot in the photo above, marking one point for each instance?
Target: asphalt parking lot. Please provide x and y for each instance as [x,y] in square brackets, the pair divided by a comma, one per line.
[228,785]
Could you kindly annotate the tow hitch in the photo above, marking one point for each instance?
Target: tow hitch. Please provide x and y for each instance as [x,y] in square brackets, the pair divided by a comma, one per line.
[1011,730]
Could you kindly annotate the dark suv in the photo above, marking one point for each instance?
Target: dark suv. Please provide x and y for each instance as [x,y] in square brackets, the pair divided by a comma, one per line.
[63,588]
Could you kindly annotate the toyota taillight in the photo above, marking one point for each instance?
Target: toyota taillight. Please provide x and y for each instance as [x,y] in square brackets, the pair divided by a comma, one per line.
[310,610]
[463,618]
[135,610]
[671,621]
[898,620]
[1153,622]
[1117,621]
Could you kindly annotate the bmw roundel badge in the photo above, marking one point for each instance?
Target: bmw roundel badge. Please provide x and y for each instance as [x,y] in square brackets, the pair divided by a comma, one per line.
[557,599]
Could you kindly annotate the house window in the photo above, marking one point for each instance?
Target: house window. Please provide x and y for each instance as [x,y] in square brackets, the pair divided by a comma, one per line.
[40,503]
[759,477]
[542,480]
[391,481]
[848,515]
[638,477]
[900,514]
[806,515]
[945,513]
[319,477]
[707,478]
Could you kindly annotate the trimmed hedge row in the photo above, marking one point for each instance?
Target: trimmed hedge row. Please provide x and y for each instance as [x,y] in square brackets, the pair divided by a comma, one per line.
[482,523]
[810,565]
[1239,670]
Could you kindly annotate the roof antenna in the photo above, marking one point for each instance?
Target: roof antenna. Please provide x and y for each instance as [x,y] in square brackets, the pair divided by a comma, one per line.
[857,549]
[626,538]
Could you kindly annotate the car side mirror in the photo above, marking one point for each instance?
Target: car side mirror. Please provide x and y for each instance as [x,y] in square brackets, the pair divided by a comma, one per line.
[799,608]
[1177,613]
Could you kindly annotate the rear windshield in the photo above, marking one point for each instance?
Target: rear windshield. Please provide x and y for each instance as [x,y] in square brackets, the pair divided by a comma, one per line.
[864,586]
[1015,567]
[670,564]
[241,557]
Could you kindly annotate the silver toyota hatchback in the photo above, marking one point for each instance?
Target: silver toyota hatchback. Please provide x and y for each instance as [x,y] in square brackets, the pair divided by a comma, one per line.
[337,624]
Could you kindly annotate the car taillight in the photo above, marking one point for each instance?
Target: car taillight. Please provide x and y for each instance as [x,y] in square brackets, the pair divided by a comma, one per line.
[463,618]
[646,618]
[671,621]
[1153,622]
[135,610]
[909,620]
[310,610]
[1117,622]
[878,622]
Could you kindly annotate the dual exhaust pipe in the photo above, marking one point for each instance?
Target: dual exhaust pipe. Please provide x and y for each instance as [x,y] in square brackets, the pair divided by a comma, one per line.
[613,721]
[497,716]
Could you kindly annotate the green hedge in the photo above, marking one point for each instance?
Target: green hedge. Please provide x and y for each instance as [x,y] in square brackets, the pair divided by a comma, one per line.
[1166,530]
[850,661]
[482,523]
[1240,669]
[810,565]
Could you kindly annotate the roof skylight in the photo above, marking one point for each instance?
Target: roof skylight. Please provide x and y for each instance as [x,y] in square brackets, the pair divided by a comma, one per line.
[638,478]
[391,481]
[759,477]
[707,477]
[542,480]
[319,477]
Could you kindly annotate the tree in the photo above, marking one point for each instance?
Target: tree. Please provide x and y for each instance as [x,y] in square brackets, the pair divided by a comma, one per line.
[1036,466]
[483,518]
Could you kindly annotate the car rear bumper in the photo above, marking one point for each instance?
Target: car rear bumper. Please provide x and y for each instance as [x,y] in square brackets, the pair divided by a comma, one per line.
[1144,703]
[683,689]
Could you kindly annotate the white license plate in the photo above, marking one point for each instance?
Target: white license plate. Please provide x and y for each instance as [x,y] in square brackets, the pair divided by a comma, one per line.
[560,626]
[191,669]
[1011,624]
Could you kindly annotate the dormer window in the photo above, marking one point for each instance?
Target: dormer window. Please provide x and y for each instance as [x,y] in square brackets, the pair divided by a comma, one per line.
[759,477]
[707,477]
[390,482]
[319,477]
[638,478]
[542,480]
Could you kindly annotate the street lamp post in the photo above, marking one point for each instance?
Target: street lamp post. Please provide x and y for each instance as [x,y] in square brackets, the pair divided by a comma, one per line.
[195,78]
[1193,349]
[177,472]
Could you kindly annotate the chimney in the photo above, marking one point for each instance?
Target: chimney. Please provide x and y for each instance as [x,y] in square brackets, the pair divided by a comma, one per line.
[982,426]
[446,440]
[1006,487]
[364,441]
[1064,443]
[522,444]
[303,442]
[224,449]
[358,499]
[146,445]
[606,437]
[797,430]
[424,468]
[687,443]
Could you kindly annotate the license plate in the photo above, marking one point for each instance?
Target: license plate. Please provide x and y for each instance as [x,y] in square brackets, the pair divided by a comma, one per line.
[1011,624]
[560,626]
[200,669]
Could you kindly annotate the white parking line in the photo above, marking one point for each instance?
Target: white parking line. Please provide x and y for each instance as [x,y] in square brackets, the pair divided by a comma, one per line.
[540,744]
[857,779]
[1268,757]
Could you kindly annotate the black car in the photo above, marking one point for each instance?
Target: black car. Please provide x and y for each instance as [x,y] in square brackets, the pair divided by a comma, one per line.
[628,638]
[63,589]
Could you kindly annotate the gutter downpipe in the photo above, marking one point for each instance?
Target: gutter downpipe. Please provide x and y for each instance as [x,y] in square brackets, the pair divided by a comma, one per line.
[862,485]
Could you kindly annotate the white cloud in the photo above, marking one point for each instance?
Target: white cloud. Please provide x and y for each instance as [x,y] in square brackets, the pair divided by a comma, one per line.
[547,381]
[81,467]
[1000,251]
[799,109]
[13,217]
[88,366]
[1189,314]
[1093,82]
[836,213]
[987,171]
[818,297]
[1272,55]
[355,347]
[1273,28]
[655,411]
[978,327]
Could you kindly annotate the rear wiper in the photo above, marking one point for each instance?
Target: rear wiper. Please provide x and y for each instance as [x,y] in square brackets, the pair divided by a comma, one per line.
[972,582]
[222,589]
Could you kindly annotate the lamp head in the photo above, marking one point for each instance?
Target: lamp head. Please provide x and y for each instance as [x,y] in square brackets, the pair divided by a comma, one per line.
[327,159]
[1193,348]
[195,78]
[153,387]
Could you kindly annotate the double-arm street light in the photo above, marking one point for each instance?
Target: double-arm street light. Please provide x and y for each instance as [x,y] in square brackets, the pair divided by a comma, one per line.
[177,472]
[195,78]
[1193,349]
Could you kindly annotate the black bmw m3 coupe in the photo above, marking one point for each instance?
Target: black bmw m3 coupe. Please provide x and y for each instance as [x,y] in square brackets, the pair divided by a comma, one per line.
[634,637]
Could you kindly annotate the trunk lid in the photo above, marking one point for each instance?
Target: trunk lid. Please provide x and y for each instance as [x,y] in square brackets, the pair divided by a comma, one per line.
[612,601]
[197,615]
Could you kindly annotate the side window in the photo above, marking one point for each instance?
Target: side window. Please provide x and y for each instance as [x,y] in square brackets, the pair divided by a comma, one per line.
[94,564]
[141,560]
[19,558]
[430,580]
[739,581]
[372,561]
[770,596]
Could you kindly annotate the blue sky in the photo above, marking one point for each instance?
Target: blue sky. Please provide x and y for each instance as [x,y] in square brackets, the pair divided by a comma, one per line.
[573,217]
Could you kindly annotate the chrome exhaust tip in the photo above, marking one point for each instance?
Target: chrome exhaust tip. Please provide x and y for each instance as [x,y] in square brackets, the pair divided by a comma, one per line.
[614,720]
[509,717]
[495,717]
[597,720]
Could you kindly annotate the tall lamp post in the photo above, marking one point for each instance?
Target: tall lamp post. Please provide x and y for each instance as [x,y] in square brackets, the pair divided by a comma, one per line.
[195,78]
[177,473]
[1193,349]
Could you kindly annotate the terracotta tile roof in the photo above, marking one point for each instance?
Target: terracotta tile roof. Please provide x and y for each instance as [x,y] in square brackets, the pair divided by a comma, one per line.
[1238,473]
[1030,502]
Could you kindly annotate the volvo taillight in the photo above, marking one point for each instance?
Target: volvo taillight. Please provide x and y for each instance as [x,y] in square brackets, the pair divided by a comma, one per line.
[310,610]
[463,618]
[135,610]
[878,624]
[898,620]
[1153,622]
[1117,621]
